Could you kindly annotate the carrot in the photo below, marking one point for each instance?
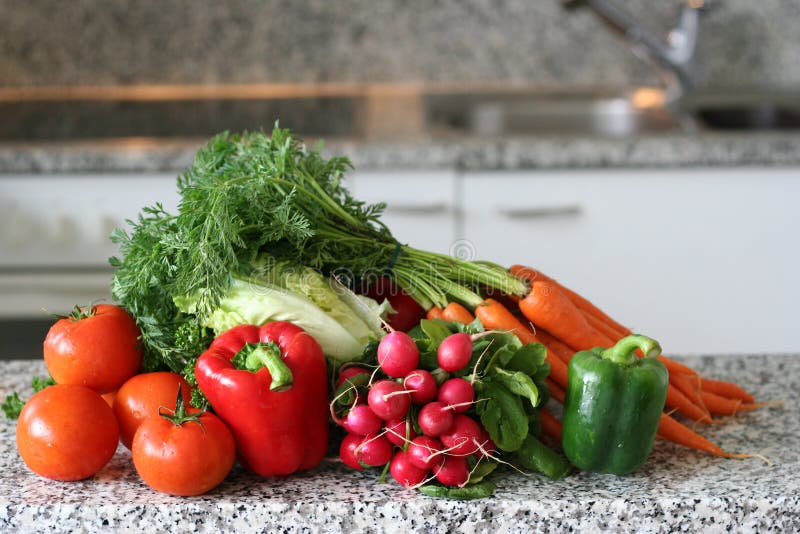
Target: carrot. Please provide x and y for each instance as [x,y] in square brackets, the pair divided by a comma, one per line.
[604,328]
[594,316]
[719,405]
[671,365]
[614,331]
[509,301]
[435,313]
[726,389]
[531,275]
[689,385]
[602,325]
[672,430]
[563,352]
[675,367]
[682,403]
[455,312]
[495,316]
[550,309]
[556,391]
[607,329]
[550,425]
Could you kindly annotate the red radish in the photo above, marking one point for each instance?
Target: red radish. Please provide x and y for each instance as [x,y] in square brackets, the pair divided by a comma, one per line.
[362,420]
[457,393]
[422,452]
[434,419]
[388,400]
[374,450]
[347,451]
[396,432]
[460,439]
[404,472]
[454,471]
[350,372]
[422,386]
[398,355]
[455,352]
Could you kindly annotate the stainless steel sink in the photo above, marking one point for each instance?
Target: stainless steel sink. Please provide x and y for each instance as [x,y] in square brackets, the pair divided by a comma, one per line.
[774,110]
[641,111]
[389,113]
[499,114]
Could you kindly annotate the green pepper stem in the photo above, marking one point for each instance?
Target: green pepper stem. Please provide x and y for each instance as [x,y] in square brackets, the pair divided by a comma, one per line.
[255,356]
[623,352]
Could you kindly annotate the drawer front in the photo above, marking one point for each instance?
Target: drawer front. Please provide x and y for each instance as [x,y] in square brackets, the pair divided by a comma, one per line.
[705,260]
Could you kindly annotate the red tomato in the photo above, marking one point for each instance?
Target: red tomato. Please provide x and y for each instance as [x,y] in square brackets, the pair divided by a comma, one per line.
[109,398]
[190,458]
[99,350]
[408,312]
[142,396]
[66,432]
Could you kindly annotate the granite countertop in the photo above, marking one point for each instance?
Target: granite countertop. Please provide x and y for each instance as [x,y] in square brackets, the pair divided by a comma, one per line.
[465,153]
[676,490]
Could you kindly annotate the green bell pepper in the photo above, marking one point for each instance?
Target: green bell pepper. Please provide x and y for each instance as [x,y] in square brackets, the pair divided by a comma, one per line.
[613,405]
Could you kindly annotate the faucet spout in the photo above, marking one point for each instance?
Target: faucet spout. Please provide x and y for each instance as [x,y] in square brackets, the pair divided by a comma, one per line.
[675,55]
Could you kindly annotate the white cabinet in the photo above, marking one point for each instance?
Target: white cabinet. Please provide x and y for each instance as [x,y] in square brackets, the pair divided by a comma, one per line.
[56,221]
[421,205]
[54,240]
[706,260]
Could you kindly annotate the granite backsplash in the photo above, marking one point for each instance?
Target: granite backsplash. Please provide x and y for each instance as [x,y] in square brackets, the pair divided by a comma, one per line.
[117,42]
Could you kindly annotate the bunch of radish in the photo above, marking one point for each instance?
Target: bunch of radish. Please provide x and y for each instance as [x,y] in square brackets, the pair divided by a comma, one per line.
[403,417]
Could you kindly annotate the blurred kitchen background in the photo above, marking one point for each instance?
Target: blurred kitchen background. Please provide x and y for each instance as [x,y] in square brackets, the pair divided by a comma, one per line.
[644,152]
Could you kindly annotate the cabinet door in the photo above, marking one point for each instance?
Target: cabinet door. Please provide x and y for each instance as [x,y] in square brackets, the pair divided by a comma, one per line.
[705,260]
[64,221]
[420,205]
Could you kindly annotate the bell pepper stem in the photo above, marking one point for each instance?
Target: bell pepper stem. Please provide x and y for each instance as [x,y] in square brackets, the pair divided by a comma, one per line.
[255,356]
[623,352]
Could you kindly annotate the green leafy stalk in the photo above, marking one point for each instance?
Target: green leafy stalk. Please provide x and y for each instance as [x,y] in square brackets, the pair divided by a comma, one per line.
[253,194]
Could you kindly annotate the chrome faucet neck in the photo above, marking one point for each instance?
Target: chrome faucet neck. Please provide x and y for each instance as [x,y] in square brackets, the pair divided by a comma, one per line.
[676,54]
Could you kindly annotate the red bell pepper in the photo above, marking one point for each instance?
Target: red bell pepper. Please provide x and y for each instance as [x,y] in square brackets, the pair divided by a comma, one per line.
[269,385]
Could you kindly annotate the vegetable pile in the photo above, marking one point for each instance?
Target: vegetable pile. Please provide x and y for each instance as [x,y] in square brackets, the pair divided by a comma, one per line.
[274,302]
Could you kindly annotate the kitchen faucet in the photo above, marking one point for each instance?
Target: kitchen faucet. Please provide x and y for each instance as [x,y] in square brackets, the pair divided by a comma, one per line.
[676,55]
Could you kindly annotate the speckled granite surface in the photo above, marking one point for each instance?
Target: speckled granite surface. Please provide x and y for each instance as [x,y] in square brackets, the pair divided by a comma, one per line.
[117,42]
[676,490]
[473,153]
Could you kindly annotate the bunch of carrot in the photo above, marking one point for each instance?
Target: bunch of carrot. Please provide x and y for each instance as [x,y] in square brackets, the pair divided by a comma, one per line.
[565,323]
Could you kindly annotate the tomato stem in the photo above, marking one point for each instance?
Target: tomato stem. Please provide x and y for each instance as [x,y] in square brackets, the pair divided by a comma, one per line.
[78,313]
[179,414]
